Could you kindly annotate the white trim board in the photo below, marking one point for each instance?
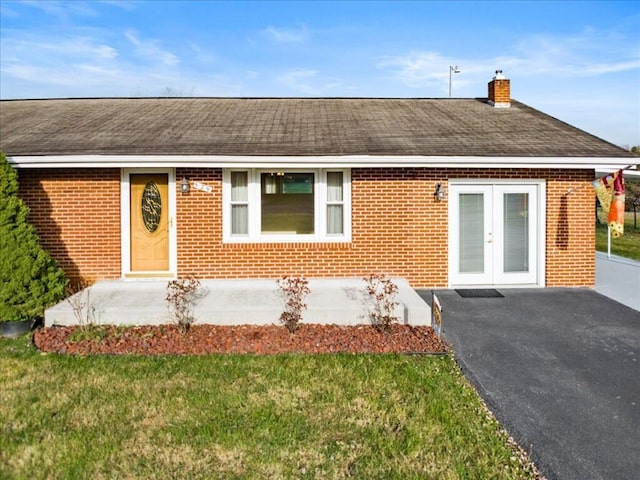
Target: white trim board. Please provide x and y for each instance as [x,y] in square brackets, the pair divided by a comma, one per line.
[331,161]
[320,209]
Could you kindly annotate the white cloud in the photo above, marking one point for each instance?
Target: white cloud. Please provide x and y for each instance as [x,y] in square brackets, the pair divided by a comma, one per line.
[85,62]
[202,55]
[417,69]
[63,10]
[150,49]
[585,54]
[286,35]
[31,63]
[430,70]
[105,51]
[7,12]
[48,66]
[308,82]
[569,57]
[299,81]
[67,77]
[48,50]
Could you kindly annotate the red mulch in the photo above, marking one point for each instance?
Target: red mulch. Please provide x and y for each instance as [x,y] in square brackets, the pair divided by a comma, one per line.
[263,339]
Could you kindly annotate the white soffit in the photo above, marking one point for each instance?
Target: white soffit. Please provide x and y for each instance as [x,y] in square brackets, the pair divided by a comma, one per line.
[221,161]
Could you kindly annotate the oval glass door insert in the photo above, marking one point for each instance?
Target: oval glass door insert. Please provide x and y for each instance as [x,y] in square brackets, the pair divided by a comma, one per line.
[151,206]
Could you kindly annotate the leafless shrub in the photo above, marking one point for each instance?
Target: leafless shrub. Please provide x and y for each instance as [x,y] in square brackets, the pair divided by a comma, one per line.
[182,296]
[79,298]
[384,294]
[293,290]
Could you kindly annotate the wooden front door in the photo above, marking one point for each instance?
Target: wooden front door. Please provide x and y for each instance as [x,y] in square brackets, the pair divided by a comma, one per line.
[149,204]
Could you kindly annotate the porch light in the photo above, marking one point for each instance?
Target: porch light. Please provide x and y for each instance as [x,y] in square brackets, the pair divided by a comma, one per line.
[439,194]
[185,186]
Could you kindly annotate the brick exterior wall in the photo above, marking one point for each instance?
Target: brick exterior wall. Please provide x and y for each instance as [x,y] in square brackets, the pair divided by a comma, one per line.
[397,227]
[77,214]
[571,236]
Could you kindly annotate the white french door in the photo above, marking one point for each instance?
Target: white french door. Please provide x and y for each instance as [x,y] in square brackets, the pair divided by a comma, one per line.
[495,234]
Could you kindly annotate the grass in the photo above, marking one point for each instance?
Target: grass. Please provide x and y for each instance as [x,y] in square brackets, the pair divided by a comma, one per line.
[628,245]
[242,416]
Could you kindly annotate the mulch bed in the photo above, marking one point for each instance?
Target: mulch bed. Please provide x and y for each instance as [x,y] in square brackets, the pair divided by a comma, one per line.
[263,339]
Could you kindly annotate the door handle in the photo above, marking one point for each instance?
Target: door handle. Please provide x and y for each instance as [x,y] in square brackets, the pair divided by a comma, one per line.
[490,238]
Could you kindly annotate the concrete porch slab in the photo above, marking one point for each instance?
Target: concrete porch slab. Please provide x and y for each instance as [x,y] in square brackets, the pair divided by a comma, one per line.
[341,301]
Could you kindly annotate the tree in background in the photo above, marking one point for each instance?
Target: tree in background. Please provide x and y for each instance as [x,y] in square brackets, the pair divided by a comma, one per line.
[632,187]
[30,279]
[632,198]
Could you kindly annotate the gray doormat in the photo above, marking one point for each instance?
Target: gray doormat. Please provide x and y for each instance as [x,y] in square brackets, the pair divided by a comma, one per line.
[479,292]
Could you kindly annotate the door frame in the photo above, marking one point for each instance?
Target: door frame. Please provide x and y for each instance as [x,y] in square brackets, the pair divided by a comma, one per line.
[540,218]
[125,224]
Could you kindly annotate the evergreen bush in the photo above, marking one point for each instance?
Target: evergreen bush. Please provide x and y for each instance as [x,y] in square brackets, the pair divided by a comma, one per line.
[30,279]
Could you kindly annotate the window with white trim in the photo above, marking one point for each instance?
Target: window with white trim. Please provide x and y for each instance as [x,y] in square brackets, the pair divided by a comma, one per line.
[287,205]
[239,203]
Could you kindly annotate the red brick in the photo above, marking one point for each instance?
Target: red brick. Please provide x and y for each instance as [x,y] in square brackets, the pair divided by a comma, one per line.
[77,213]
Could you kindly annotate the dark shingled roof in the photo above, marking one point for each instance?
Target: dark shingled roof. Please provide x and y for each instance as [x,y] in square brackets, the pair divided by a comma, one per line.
[289,126]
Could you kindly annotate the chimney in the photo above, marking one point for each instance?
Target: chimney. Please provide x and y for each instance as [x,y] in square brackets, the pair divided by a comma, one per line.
[500,91]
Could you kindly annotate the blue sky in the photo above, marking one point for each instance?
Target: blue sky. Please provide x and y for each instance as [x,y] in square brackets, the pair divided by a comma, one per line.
[578,61]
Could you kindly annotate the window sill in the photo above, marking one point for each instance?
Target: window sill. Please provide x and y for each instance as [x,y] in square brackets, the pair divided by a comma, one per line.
[288,244]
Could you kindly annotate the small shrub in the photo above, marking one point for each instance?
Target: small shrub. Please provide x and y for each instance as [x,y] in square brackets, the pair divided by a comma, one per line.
[30,280]
[384,294]
[79,297]
[182,296]
[293,290]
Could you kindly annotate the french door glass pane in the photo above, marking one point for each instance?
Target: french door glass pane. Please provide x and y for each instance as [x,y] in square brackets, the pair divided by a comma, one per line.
[516,232]
[239,219]
[471,242]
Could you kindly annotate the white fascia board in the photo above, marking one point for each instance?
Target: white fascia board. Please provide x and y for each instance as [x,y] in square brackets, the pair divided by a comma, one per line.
[627,173]
[336,161]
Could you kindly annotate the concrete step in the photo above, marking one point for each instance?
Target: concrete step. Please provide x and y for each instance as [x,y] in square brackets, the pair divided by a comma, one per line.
[341,301]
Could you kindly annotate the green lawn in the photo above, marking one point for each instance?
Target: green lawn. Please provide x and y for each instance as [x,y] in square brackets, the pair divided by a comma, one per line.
[628,245]
[243,416]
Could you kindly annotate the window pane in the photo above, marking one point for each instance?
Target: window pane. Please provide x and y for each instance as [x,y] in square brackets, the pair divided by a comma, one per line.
[334,186]
[270,185]
[239,187]
[471,233]
[297,184]
[516,232]
[290,209]
[239,219]
[334,219]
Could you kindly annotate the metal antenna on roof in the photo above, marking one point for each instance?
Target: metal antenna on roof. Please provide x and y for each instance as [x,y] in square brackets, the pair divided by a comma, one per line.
[452,70]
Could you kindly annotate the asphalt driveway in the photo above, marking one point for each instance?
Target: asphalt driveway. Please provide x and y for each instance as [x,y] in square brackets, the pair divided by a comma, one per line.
[560,368]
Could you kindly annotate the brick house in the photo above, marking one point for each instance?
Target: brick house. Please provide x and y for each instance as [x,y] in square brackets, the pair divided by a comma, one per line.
[442,192]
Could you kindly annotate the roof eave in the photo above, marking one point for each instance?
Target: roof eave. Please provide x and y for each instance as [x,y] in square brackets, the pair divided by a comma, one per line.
[330,161]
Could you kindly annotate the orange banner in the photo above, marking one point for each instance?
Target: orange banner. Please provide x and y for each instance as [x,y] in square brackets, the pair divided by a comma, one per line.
[616,209]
